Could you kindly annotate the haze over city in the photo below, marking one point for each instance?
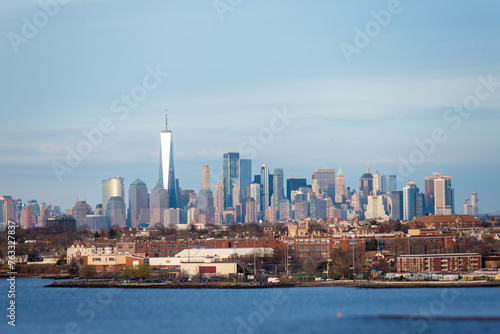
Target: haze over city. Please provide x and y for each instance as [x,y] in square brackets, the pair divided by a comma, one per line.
[229,73]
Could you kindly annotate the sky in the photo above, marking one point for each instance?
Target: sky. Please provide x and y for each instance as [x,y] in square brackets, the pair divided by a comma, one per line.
[407,88]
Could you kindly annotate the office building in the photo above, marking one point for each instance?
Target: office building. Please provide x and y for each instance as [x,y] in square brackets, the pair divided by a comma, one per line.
[388,184]
[251,211]
[138,199]
[326,180]
[231,178]
[366,184]
[115,211]
[294,184]
[439,195]
[341,192]
[410,201]
[278,189]
[112,188]
[80,212]
[245,176]
[158,203]
[167,171]
[264,187]
[475,204]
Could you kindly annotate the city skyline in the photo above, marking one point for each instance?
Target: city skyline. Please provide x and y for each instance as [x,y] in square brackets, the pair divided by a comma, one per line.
[300,105]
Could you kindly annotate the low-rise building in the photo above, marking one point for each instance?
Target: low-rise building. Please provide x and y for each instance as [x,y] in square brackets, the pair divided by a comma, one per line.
[438,262]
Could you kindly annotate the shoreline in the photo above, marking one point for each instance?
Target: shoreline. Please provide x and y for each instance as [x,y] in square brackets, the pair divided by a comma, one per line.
[231,285]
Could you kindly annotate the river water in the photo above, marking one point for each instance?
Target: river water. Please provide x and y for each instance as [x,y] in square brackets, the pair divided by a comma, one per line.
[286,310]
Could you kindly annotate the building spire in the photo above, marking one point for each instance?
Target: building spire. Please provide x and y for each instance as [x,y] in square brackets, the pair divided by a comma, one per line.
[166,118]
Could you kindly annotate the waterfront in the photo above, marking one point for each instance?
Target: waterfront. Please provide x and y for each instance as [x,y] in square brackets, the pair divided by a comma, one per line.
[286,310]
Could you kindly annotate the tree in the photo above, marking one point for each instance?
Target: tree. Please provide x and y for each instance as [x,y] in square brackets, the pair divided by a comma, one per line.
[87,272]
[341,262]
[143,271]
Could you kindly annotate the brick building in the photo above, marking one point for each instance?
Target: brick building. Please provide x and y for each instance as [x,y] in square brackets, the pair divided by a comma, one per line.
[439,262]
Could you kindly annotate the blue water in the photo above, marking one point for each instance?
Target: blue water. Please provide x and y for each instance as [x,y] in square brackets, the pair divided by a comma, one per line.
[291,310]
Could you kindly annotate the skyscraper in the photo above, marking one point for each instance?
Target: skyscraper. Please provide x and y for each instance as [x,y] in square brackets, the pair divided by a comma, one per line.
[255,194]
[158,203]
[205,197]
[397,205]
[112,188]
[388,184]
[294,184]
[245,176]
[205,177]
[341,192]
[475,204]
[230,178]
[278,189]
[439,195]
[264,187]
[251,211]
[219,197]
[366,183]
[467,206]
[167,173]
[377,184]
[409,200]
[326,180]
[115,211]
[138,203]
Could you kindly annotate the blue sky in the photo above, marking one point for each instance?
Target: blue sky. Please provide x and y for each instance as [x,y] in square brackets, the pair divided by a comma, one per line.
[226,78]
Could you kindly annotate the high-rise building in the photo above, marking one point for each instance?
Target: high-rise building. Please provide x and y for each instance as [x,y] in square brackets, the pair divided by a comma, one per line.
[251,211]
[375,207]
[219,197]
[158,203]
[341,192]
[111,188]
[264,187]
[285,211]
[294,184]
[388,184]
[313,207]
[245,176]
[439,195]
[205,177]
[278,189]
[326,180]
[230,177]
[115,211]
[410,201]
[171,217]
[167,172]
[366,183]
[255,194]
[475,204]
[138,200]
[80,212]
[377,183]
[467,206]
[7,210]
[28,218]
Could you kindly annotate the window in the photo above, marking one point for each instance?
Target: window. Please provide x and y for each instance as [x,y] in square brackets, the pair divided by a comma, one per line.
[318,248]
[174,245]
[168,245]
[337,242]
[120,246]
[202,244]
[168,251]
[97,259]
[176,251]
[161,251]
[161,245]
[140,246]
[210,244]
[301,248]
[154,245]
[182,245]
[306,248]
[112,259]
[130,246]
[323,247]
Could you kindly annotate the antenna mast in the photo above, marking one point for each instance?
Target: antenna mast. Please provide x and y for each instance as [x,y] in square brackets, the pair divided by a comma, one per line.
[166,119]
